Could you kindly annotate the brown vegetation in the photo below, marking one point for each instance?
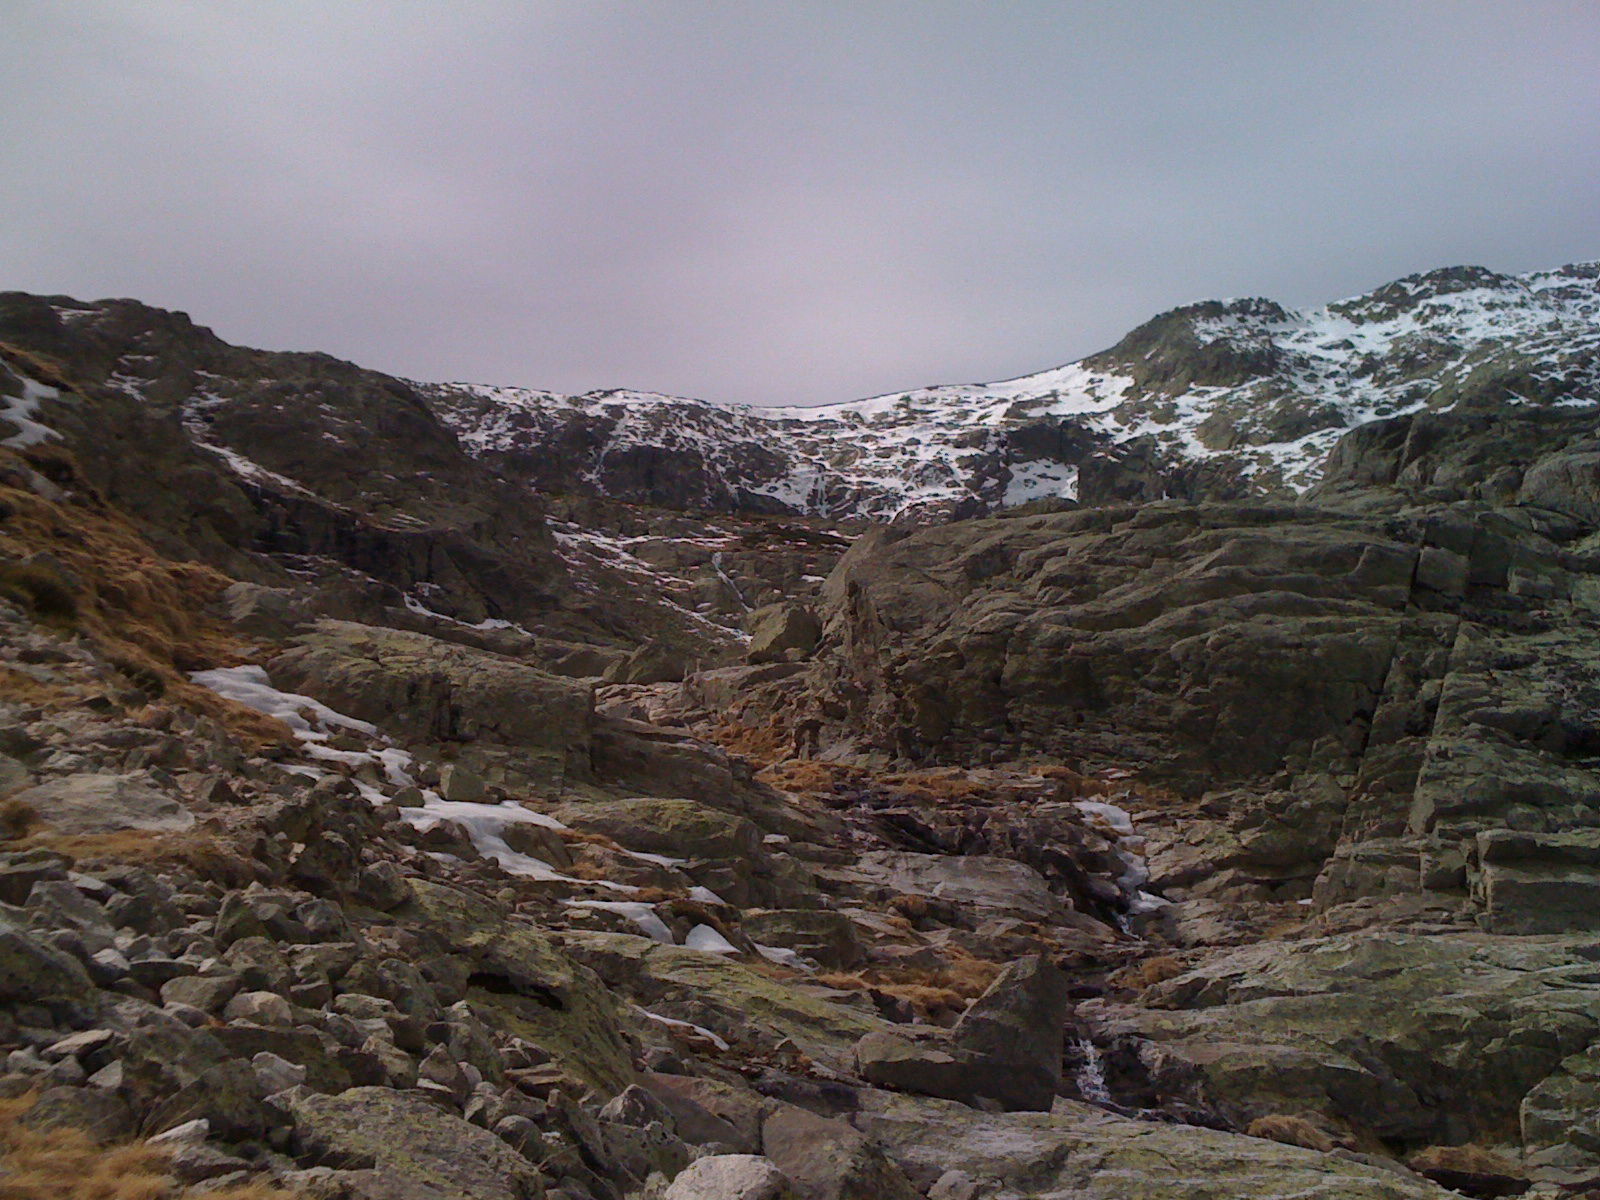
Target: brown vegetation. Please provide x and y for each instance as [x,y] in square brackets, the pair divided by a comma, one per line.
[912,908]
[23,689]
[41,367]
[939,785]
[934,992]
[1443,1162]
[809,775]
[583,838]
[80,567]
[17,819]
[763,744]
[588,871]
[205,855]
[1291,1131]
[62,1163]
[1149,972]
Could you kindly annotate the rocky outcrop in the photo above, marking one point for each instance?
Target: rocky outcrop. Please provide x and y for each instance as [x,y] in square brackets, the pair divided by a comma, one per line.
[1134,634]
[408,1140]
[513,719]
[1362,696]
[96,803]
[1417,1038]
[1084,1152]
[781,631]
[1004,1052]
[730,1177]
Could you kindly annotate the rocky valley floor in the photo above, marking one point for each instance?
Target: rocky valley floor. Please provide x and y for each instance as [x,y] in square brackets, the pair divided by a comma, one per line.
[376,828]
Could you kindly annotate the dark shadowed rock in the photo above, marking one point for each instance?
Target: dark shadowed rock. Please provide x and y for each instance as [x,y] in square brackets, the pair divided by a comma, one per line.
[1005,1050]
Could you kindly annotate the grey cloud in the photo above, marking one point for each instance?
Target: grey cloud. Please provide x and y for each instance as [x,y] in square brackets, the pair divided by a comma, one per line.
[770,202]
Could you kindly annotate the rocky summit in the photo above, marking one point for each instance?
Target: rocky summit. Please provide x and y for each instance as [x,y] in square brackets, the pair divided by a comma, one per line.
[1171,775]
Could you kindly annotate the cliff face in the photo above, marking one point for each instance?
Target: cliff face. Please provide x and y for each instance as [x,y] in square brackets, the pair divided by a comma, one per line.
[431,791]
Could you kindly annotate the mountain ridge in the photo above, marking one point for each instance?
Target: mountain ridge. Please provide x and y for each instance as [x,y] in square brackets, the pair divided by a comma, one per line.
[1247,392]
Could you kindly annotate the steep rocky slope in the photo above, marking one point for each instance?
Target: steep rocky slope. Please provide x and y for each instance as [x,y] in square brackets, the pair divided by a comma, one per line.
[299,471]
[379,827]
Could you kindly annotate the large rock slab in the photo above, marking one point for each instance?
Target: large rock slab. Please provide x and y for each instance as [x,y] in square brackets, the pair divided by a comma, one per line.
[1564,1105]
[1414,1037]
[677,828]
[1005,1050]
[524,982]
[827,1159]
[730,1177]
[1516,733]
[33,971]
[1086,1154]
[1539,882]
[1147,633]
[412,1141]
[996,886]
[106,803]
[738,1003]
[826,937]
[779,630]
[510,714]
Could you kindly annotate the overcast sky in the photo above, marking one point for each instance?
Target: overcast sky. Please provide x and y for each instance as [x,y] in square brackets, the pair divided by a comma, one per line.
[776,202]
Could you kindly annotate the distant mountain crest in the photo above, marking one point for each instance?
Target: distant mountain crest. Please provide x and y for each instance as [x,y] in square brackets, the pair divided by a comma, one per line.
[1222,398]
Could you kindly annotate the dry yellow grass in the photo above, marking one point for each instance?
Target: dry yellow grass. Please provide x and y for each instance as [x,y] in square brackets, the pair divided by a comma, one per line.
[587,871]
[763,744]
[204,855]
[581,838]
[809,775]
[42,367]
[655,895]
[940,785]
[24,689]
[79,566]
[62,1163]
[933,992]
[1463,1160]
[932,1002]
[968,974]
[911,908]
[927,999]
[844,981]
[1151,971]
[1291,1131]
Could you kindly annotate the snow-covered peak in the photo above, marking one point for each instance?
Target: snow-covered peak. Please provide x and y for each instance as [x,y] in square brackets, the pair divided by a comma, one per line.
[1244,388]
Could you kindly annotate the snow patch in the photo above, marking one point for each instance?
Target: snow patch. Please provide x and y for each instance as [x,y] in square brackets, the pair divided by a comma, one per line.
[707,939]
[640,913]
[19,411]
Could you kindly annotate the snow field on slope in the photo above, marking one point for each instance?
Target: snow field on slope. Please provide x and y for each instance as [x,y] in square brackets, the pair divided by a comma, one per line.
[883,455]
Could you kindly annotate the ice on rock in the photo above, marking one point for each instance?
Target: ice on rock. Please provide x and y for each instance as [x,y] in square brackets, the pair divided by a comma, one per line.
[703,937]
[640,913]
